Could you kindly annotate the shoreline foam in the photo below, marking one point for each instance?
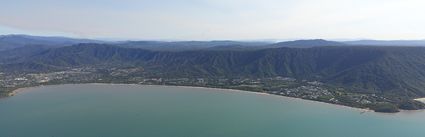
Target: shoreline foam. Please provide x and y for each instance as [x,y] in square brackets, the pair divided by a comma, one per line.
[420,100]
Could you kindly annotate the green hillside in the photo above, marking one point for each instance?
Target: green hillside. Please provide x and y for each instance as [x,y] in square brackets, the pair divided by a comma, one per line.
[396,73]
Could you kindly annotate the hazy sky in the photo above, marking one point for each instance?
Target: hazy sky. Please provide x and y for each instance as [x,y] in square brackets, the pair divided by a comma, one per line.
[216,19]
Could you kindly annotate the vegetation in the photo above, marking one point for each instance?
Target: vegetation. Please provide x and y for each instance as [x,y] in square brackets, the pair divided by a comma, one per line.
[396,75]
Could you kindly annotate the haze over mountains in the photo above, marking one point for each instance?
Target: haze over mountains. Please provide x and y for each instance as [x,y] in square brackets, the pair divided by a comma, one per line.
[16,41]
[387,42]
[396,73]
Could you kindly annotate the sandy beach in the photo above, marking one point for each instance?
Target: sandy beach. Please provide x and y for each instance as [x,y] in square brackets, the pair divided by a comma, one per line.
[20,90]
[361,110]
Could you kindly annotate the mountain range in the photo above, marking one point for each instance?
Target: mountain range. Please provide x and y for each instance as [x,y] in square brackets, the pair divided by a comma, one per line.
[393,72]
[362,68]
[16,41]
[8,42]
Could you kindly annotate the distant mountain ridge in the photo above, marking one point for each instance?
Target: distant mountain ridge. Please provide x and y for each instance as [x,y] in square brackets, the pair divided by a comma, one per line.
[387,42]
[188,45]
[225,45]
[16,41]
[307,43]
[8,42]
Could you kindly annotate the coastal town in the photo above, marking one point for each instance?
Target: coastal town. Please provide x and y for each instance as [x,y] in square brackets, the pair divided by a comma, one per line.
[283,86]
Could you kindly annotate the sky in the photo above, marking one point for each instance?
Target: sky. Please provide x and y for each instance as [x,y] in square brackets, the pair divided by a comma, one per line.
[215,19]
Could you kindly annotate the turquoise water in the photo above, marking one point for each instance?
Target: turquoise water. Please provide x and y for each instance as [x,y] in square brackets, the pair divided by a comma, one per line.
[154,111]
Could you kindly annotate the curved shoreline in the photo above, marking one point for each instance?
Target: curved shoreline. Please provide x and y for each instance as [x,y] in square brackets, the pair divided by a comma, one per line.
[360,110]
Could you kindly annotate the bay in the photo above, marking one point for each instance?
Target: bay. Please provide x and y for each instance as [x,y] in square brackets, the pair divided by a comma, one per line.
[100,110]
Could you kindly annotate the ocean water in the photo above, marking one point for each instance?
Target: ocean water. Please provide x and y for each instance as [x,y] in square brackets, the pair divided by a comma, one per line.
[91,110]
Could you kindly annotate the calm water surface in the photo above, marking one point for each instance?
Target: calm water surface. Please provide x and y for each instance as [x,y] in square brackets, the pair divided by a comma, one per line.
[154,111]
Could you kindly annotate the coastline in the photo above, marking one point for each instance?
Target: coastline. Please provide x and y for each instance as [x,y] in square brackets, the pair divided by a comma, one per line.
[24,89]
[18,90]
[360,110]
